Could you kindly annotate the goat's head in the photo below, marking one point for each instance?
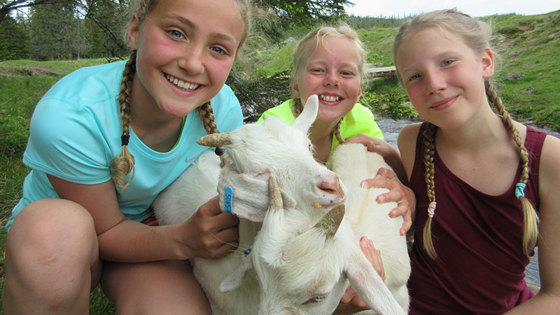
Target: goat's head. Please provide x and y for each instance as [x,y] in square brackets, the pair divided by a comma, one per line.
[304,263]
[256,151]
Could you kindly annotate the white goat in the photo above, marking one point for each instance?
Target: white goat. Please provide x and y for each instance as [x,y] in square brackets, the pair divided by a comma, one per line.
[309,190]
[353,163]
[304,259]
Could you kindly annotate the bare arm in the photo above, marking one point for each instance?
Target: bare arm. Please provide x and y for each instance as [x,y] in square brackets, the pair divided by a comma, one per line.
[547,301]
[209,233]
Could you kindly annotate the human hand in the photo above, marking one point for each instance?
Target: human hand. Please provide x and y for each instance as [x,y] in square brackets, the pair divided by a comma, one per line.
[399,193]
[379,146]
[210,232]
[351,301]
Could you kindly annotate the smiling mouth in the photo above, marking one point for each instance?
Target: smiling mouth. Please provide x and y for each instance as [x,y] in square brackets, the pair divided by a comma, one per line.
[180,83]
[329,98]
[443,103]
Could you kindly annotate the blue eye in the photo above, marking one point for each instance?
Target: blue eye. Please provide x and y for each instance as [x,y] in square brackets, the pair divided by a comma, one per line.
[175,33]
[219,50]
[413,77]
[447,62]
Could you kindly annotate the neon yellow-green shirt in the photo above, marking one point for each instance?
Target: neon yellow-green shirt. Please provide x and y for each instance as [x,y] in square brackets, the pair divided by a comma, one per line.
[359,120]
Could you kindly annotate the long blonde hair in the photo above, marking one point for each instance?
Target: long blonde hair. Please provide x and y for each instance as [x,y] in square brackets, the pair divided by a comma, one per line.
[306,48]
[475,34]
[123,163]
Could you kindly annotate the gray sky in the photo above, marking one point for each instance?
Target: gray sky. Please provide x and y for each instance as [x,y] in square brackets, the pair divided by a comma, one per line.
[402,8]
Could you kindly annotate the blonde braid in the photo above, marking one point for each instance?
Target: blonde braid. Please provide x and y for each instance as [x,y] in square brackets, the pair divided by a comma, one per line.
[123,163]
[337,131]
[297,107]
[429,140]
[530,217]
[206,114]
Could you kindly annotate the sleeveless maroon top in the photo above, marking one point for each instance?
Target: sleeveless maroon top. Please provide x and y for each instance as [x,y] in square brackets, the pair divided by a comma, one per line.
[478,239]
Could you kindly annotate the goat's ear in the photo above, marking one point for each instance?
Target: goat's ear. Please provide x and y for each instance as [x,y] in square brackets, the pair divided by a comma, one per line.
[307,117]
[369,285]
[250,193]
[233,280]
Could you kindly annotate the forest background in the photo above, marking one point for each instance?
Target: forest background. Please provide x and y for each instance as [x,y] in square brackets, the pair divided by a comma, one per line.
[43,40]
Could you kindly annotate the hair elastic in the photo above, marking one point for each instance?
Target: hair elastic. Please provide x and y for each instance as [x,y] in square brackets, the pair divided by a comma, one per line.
[520,190]
[432,209]
[124,139]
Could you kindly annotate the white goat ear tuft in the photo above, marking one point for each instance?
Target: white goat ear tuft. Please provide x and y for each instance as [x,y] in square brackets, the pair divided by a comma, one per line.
[304,121]
[233,280]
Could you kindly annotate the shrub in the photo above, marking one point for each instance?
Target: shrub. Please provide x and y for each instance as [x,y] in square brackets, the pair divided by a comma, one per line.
[389,104]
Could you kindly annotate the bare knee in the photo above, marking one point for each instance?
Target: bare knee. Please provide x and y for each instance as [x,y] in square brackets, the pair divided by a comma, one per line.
[49,228]
[50,250]
[137,288]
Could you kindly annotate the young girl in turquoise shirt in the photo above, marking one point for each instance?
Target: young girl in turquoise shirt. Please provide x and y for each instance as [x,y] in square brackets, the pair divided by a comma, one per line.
[104,141]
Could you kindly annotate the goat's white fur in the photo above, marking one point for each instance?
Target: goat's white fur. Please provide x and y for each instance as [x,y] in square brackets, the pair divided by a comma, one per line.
[288,159]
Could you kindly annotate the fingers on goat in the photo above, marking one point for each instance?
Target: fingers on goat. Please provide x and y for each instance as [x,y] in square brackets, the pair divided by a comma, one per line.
[407,224]
[373,255]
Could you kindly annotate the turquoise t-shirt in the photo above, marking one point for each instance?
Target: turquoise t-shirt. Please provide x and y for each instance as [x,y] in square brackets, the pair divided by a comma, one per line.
[75,133]
[359,120]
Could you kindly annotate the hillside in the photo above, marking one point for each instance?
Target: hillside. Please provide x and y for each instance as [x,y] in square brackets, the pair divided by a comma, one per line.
[528,77]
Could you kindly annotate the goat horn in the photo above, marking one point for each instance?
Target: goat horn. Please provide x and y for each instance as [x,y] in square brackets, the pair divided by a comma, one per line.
[330,222]
[274,194]
[215,139]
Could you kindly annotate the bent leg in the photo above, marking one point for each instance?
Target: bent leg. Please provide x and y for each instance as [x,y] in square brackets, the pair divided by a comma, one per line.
[164,287]
[52,259]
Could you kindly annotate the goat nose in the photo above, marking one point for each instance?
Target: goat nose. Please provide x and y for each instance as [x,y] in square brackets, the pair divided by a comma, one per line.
[332,186]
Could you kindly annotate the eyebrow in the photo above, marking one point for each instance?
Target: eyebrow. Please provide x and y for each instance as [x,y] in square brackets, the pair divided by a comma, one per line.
[187,22]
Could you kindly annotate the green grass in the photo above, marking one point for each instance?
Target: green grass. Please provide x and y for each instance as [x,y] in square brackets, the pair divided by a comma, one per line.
[64,66]
[18,96]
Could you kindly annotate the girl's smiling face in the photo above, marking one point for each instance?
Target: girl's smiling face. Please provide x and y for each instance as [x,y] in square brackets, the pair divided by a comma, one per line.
[185,51]
[444,78]
[333,72]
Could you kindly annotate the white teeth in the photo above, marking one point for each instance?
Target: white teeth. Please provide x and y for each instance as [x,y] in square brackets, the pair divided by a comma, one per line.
[330,98]
[181,84]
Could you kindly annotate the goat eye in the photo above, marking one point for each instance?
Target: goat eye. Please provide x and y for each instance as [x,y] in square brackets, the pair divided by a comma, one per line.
[316,299]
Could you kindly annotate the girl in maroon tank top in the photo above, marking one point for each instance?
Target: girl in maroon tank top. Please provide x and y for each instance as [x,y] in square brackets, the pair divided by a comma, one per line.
[486,186]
